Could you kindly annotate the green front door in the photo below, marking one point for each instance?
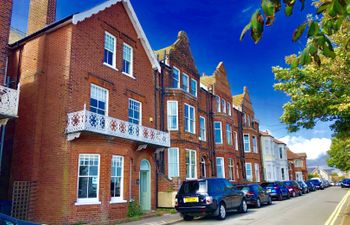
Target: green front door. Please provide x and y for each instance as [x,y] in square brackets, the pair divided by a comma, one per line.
[145,185]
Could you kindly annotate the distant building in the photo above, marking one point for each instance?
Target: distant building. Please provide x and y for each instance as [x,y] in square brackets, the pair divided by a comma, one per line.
[324,173]
[297,165]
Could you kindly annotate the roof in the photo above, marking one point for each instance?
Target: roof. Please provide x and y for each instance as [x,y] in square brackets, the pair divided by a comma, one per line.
[238,99]
[291,155]
[164,52]
[79,17]
[278,141]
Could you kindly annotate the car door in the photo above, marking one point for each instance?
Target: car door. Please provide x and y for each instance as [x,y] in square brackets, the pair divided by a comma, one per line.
[262,194]
[229,194]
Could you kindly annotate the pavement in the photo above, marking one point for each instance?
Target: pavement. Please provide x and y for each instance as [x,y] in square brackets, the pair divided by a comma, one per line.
[328,207]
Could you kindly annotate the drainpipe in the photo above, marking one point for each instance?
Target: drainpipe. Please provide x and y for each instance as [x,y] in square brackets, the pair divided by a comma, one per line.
[211,135]
[240,131]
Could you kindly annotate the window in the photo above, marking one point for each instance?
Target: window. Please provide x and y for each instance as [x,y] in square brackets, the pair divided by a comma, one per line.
[281,152]
[202,128]
[248,169]
[223,103]
[299,176]
[237,171]
[191,171]
[88,178]
[98,99]
[217,132]
[134,111]
[109,50]
[236,140]
[194,87]
[176,78]
[283,175]
[245,119]
[173,162]
[220,169]
[185,83]
[229,109]
[257,172]
[189,119]
[127,59]
[229,134]
[203,168]
[255,146]
[246,143]
[298,163]
[218,104]
[248,117]
[173,119]
[117,174]
[231,169]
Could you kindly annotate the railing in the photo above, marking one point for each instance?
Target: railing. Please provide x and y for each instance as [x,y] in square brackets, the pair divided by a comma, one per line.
[92,122]
[8,102]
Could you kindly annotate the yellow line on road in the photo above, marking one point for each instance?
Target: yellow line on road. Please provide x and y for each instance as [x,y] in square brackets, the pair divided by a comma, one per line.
[337,210]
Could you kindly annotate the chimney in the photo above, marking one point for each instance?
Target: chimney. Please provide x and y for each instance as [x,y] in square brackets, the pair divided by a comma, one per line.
[5,22]
[41,13]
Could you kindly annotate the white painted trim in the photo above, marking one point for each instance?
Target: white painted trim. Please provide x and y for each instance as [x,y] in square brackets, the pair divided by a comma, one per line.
[195,164]
[188,82]
[194,119]
[140,121]
[236,140]
[196,94]
[177,114]
[205,129]
[249,150]
[114,60]
[179,78]
[218,143]
[251,169]
[222,165]
[131,74]
[178,161]
[107,96]
[121,198]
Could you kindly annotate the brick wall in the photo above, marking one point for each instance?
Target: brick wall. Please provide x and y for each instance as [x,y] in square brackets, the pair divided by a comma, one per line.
[41,13]
[5,20]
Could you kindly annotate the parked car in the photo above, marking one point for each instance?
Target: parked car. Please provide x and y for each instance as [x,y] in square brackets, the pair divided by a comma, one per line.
[276,190]
[255,195]
[8,220]
[293,188]
[310,185]
[304,187]
[345,183]
[209,196]
[318,183]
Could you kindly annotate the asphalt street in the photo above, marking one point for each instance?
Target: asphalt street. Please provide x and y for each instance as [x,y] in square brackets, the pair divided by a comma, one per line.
[310,209]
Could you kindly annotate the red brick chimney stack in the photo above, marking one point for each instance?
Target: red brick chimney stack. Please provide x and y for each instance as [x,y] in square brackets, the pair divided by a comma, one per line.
[5,22]
[41,13]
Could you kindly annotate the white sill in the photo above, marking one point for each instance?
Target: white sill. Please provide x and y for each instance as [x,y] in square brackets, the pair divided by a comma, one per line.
[129,75]
[88,203]
[112,67]
[117,201]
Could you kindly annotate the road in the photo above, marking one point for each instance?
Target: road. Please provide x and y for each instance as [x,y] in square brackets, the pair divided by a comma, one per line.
[310,209]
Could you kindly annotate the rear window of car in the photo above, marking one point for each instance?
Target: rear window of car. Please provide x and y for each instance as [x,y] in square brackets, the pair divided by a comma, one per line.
[243,188]
[193,187]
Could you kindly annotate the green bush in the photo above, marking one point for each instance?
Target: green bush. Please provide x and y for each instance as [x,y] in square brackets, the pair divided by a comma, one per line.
[134,209]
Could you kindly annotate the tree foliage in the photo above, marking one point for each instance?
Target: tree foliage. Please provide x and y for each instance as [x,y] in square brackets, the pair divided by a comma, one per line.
[339,154]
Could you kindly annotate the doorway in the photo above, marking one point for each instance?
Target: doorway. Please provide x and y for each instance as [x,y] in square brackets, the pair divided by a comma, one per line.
[145,185]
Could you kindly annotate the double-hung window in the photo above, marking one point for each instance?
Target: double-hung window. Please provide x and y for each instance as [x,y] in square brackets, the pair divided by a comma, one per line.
[220,168]
[88,178]
[173,162]
[229,134]
[173,117]
[229,109]
[175,78]
[190,121]
[246,143]
[236,140]
[109,50]
[248,170]
[281,152]
[231,169]
[191,164]
[218,104]
[117,175]
[202,128]
[255,145]
[185,83]
[134,111]
[194,87]
[98,99]
[217,132]
[257,172]
[223,102]
[127,59]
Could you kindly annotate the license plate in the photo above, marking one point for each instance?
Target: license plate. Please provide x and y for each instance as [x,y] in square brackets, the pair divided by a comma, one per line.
[190,199]
[268,190]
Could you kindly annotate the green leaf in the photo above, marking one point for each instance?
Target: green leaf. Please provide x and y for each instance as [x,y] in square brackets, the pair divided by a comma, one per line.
[312,49]
[288,10]
[313,29]
[257,26]
[328,52]
[268,8]
[298,32]
[348,8]
[294,63]
[244,31]
[322,7]
[317,60]
[305,57]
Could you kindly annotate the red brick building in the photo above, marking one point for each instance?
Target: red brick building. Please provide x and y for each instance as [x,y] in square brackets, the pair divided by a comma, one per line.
[297,165]
[88,128]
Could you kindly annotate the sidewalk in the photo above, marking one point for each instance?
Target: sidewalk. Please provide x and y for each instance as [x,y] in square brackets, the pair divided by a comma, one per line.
[158,220]
[346,213]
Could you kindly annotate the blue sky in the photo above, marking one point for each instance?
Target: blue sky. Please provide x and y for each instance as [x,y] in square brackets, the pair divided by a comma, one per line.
[214,27]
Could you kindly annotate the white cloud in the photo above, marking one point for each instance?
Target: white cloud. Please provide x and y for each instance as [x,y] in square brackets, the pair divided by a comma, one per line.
[313,147]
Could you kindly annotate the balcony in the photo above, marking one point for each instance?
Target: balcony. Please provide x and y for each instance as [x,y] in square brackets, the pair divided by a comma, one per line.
[8,103]
[86,121]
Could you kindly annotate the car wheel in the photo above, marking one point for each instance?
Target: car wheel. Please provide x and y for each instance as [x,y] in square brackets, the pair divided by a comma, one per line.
[243,208]
[258,203]
[188,218]
[269,201]
[280,197]
[222,212]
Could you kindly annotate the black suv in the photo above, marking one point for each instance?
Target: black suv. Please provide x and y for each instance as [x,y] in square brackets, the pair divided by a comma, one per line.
[210,196]
[255,195]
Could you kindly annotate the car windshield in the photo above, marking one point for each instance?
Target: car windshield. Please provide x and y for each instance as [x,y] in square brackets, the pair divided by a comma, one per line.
[193,187]
[264,185]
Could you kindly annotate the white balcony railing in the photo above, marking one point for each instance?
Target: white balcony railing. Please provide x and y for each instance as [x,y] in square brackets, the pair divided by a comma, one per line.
[92,122]
[8,102]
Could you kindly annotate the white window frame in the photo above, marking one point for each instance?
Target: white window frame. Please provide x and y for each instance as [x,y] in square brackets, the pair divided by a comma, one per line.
[249,149]
[222,167]
[192,176]
[236,140]
[178,78]
[223,103]
[89,201]
[205,169]
[229,110]
[218,103]
[131,74]
[119,199]
[250,178]
[229,134]
[107,96]
[255,144]
[189,119]
[204,138]
[231,168]
[257,172]
[195,94]
[131,99]
[188,82]
[114,64]
[178,162]
[177,114]
[220,132]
